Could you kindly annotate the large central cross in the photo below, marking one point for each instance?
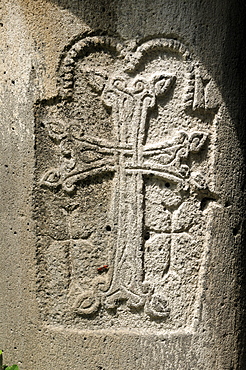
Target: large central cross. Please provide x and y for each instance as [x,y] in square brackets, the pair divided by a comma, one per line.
[130,158]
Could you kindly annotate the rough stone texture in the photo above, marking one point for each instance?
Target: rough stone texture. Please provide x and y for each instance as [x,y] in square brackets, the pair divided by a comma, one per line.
[122,182]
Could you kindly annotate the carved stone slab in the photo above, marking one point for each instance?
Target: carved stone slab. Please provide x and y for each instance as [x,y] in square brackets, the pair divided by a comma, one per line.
[122,155]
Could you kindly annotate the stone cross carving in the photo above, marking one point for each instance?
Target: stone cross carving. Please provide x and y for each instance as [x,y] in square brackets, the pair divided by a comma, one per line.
[131,159]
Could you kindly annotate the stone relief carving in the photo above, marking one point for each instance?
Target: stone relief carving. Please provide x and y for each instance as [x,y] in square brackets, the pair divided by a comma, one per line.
[121,166]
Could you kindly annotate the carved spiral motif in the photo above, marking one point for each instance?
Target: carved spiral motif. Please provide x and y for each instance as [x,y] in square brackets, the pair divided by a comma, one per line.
[139,86]
[86,303]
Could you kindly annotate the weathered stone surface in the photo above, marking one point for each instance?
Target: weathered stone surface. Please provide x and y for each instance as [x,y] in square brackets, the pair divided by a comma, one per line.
[123,178]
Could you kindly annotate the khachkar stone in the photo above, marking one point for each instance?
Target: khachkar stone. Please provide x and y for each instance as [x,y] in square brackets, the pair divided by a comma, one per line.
[124,187]
[122,184]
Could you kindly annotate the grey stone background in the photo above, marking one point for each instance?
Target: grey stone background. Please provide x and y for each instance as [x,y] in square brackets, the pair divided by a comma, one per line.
[33,34]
